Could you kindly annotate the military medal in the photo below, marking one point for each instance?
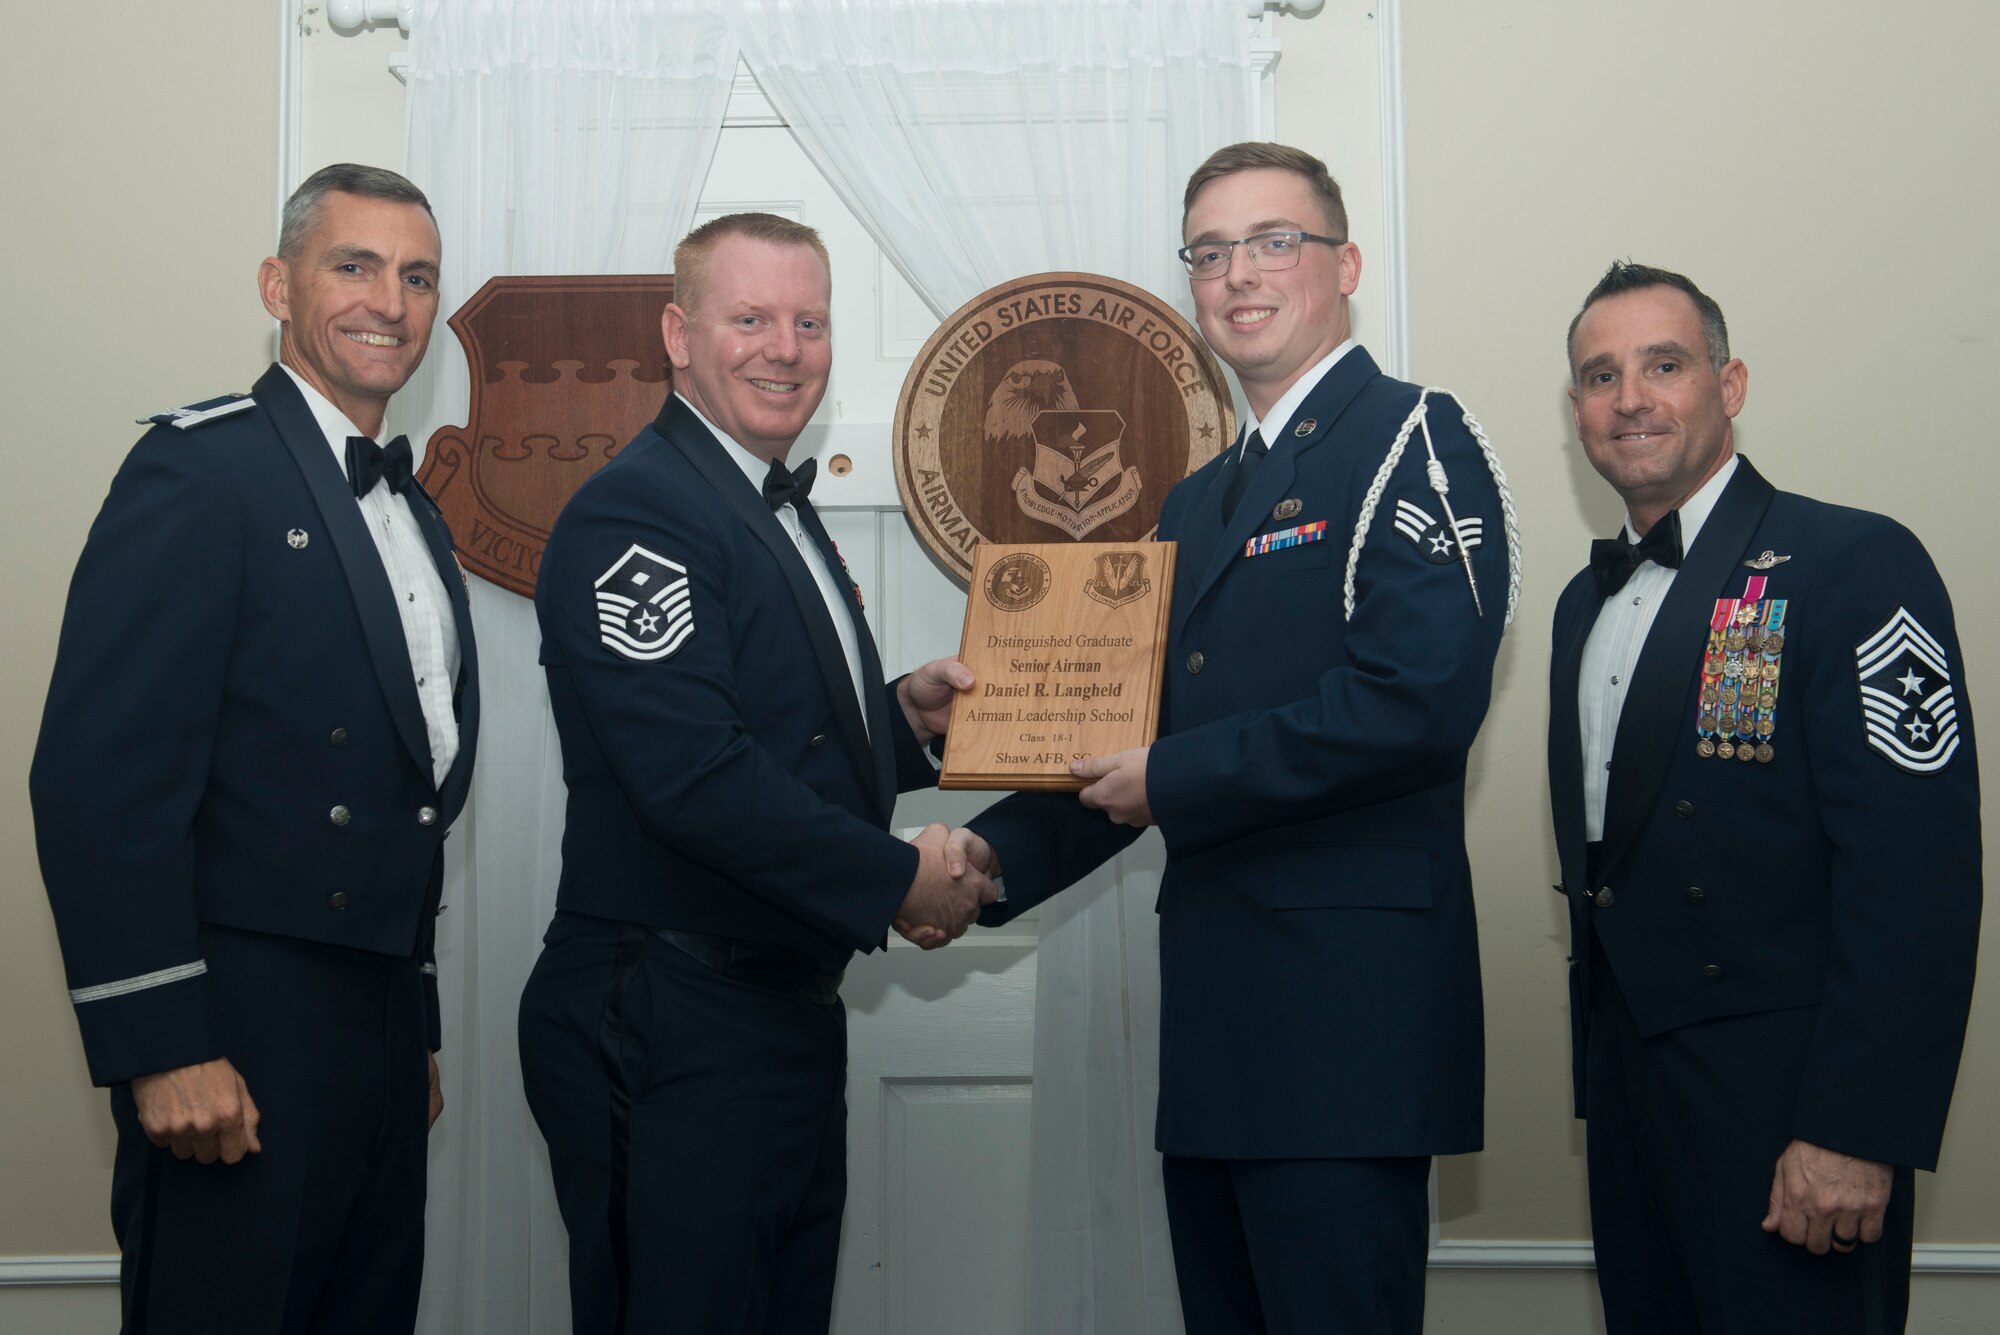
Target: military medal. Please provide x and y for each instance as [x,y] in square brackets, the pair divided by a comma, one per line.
[1740,667]
[1716,692]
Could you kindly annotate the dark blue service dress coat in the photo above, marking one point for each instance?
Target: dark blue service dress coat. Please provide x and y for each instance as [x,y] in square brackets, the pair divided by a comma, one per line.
[233,735]
[1319,963]
[1843,873]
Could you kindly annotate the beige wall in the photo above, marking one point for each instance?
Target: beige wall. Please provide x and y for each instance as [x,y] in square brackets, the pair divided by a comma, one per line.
[1825,171]
[141,170]
[1544,138]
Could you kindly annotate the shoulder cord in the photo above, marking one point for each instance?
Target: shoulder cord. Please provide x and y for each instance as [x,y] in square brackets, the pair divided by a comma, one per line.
[1434,470]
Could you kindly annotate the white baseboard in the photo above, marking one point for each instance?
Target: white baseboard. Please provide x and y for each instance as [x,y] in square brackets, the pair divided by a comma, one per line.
[1457,1254]
[59,1269]
[1929,1259]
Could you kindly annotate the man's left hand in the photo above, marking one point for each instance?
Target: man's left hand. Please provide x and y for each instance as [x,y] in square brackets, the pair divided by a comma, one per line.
[1120,787]
[927,695]
[437,1092]
[1822,1199]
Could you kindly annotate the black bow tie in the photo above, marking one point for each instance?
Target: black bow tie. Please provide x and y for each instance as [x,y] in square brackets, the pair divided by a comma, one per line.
[369,463]
[1612,560]
[782,486]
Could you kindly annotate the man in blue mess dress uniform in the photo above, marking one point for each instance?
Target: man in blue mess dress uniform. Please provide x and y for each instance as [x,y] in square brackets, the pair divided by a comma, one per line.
[260,728]
[733,756]
[1766,800]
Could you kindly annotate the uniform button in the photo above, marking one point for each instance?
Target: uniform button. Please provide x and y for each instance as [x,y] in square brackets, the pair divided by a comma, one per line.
[339,815]
[1194,661]
[1696,894]
[1562,890]
[338,901]
[1711,971]
[819,739]
[1614,679]
[338,737]
[1684,808]
[427,815]
[1604,897]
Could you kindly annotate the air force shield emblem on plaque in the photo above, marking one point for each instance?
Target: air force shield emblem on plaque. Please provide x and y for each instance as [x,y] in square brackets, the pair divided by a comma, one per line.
[643,611]
[1906,699]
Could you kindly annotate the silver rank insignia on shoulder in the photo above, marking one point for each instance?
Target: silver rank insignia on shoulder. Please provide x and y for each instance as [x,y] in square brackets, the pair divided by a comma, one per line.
[297,539]
[196,413]
[643,608]
[1767,560]
[1439,545]
[1907,705]
[1287,509]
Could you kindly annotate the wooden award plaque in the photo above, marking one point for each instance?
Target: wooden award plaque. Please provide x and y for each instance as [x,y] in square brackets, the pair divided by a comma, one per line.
[1056,408]
[565,370]
[1068,642]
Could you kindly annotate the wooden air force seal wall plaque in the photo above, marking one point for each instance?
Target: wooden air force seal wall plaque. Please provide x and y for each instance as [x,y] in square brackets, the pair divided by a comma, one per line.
[1059,407]
[565,370]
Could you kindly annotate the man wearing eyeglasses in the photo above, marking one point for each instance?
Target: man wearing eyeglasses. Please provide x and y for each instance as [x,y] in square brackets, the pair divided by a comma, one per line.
[1340,590]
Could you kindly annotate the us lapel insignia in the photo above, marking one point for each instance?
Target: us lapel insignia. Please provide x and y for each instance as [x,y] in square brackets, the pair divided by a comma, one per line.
[1307,427]
[1768,559]
[1437,541]
[298,539]
[1907,703]
[1287,509]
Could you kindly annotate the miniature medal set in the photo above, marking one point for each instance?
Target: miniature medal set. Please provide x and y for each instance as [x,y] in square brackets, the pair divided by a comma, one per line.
[1739,676]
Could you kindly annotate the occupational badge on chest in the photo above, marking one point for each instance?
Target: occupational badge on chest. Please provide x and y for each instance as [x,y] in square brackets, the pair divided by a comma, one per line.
[1740,667]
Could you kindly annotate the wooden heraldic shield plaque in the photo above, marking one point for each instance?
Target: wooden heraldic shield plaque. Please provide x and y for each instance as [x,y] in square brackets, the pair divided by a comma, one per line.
[565,370]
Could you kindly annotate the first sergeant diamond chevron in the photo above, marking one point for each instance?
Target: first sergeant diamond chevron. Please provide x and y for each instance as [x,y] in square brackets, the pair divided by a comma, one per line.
[643,608]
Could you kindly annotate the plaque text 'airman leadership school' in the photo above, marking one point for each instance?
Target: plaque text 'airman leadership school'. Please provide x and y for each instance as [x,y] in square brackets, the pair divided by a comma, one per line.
[1067,641]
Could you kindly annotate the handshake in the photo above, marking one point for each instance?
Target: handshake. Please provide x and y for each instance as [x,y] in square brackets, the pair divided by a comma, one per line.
[955,878]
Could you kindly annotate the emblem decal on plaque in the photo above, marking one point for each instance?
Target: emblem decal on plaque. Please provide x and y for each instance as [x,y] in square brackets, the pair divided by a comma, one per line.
[1018,581]
[1120,579]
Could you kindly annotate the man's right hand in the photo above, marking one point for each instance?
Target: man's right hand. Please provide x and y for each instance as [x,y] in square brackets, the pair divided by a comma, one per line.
[200,1112]
[941,905]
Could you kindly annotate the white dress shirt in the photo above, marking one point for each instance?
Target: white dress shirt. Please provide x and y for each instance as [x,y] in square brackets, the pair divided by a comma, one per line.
[821,564]
[429,629]
[1612,651]
[1288,402]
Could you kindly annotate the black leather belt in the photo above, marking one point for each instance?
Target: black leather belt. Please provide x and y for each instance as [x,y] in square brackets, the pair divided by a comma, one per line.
[773,968]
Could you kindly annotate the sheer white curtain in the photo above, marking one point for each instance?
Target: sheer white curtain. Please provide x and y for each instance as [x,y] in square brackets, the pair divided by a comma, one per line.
[979,140]
[553,137]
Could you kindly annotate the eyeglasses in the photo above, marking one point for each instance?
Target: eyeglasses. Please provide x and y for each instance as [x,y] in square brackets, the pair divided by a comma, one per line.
[1268,250]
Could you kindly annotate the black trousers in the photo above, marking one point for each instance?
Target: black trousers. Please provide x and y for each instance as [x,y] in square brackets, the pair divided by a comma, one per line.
[696,1120]
[1300,1246]
[1684,1133]
[322,1231]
